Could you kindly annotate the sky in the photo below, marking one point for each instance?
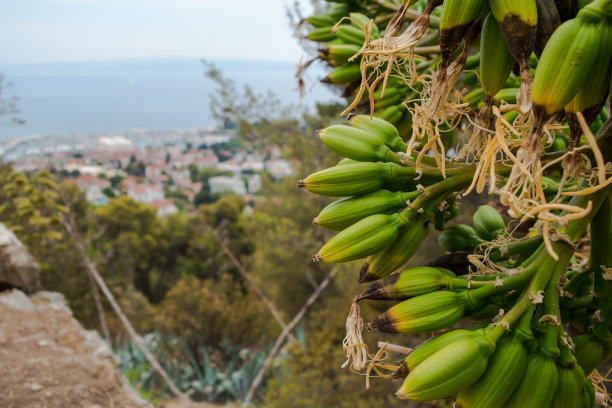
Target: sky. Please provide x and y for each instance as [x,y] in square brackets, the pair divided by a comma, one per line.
[34,31]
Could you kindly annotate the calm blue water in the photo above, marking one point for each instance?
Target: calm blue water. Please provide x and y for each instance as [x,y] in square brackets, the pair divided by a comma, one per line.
[136,94]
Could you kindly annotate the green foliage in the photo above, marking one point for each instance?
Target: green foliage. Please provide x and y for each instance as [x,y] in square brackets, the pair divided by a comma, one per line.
[135,168]
[116,181]
[194,373]
[313,375]
[214,311]
[109,192]
[143,249]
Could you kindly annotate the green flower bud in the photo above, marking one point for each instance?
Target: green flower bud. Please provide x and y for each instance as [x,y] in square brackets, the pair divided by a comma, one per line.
[488,222]
[346,161]
[459,237]
[558,145]
[348,179]
[357,144]
[425,313]
[366,237]
[344,74]
[320,20]
[409,283]
[383,129]
[449,370]
[606,351]
[360,20]
[432,346]
[589,394]
[504,372]
[571,391]
[394,257]
[588,349]
[339,53]
[538,385]
[343,213]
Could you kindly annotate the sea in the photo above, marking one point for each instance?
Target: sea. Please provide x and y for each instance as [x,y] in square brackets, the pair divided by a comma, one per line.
[140,94]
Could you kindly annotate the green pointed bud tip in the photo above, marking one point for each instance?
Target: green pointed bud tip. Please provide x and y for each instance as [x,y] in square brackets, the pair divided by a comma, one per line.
[415,282]
[364,275]
[380,290]
[348,179]
[449,370]
[361,239]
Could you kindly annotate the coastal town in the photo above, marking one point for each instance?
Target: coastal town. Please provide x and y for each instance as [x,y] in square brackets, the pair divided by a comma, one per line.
[171,171]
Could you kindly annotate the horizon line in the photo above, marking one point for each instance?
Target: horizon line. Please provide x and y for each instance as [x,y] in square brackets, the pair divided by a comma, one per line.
[213,59]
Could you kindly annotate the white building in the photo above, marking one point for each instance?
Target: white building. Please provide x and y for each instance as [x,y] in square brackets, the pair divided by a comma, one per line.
[279,168]
[230,165]
[164,207]
[179,174]
[155,170]
[254,183]
[115,143]
[254,162]
[234,184]
[146,193]
[93,187]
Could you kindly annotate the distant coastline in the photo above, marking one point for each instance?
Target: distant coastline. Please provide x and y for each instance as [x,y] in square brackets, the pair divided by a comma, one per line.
[147,94]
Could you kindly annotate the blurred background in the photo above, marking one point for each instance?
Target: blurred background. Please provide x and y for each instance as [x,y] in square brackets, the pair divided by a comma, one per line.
[156,145]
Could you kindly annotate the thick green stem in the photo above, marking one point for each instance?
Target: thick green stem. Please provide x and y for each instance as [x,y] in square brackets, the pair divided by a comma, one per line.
[601,257]
[526,246]
[601,245]
[599,5]
[551,308]
[574,230]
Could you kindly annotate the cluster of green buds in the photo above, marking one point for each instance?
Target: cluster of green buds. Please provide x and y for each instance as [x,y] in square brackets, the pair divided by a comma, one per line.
[531,79]
[386,214]
[340,35]
[519,351]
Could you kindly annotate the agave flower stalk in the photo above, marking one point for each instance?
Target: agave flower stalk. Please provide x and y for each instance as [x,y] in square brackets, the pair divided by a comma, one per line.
[601,265]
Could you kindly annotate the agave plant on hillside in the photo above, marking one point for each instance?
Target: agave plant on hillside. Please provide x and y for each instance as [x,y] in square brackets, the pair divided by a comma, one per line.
[196,375]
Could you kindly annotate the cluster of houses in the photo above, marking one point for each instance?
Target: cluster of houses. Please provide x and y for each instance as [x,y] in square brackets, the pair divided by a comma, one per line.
[166,168]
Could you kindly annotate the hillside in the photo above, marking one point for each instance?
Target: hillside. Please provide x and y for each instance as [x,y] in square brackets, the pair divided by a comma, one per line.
[50,360]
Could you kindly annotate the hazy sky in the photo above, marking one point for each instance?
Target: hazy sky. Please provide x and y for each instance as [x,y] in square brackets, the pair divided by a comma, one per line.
[76,30]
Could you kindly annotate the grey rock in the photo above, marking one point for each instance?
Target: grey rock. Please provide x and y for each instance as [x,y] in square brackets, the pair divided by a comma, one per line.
[16,299]
[17,267]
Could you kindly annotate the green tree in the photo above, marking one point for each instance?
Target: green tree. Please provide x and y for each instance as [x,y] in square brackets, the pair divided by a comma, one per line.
[214,311]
